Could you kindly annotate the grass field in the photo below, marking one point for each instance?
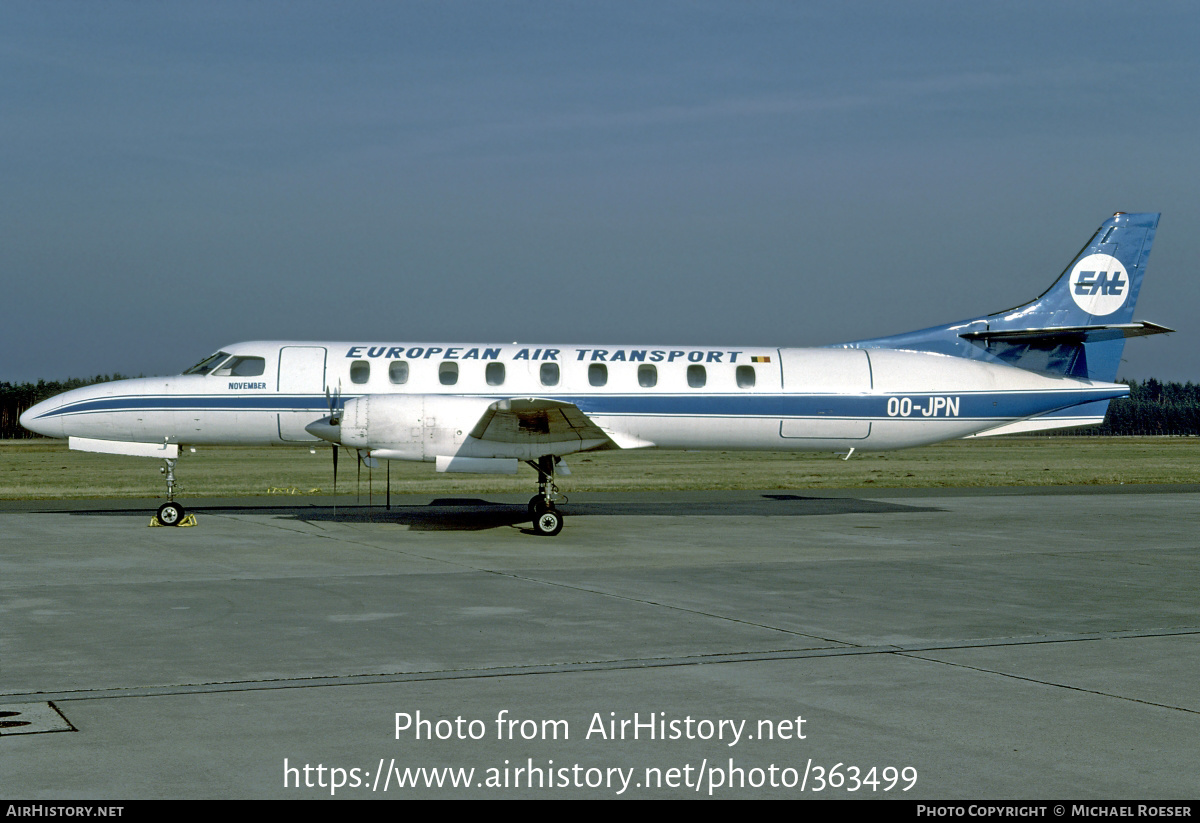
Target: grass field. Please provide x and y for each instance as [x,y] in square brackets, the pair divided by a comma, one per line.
[46,469]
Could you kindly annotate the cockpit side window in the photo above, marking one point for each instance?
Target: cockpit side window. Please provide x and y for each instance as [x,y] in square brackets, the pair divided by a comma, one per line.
[208,364]
[242,367]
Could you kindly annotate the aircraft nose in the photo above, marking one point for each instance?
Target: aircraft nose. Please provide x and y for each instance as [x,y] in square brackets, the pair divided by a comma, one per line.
[325,429]
[36,420]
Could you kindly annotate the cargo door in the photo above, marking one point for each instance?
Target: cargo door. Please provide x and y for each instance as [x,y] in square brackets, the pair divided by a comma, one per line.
[823,394]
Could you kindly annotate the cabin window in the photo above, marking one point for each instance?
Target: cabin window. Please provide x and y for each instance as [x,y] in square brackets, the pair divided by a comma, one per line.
[494,374]
[242,367]
[598,374]
[696,377]
[208,364]
[549,373]
[745,377]
[398,372]
[448,373]
[360,371]
[647,376]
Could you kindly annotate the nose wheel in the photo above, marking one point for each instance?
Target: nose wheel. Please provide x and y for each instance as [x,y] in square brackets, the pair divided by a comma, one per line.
[170,514]
[547,520]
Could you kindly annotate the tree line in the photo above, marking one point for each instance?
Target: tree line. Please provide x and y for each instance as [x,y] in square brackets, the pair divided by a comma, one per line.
[1152,408]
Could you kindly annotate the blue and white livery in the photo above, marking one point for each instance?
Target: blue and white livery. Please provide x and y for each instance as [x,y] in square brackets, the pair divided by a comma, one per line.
[1045,364]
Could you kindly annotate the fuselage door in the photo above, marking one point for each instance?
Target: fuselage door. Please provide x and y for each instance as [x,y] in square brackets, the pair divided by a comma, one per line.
[820,385]
[301,391]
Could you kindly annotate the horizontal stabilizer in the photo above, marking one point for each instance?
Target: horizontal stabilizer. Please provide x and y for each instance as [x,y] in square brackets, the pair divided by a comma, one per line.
[1069,334]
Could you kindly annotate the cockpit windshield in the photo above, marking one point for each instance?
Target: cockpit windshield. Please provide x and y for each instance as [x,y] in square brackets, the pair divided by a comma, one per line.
[208,364]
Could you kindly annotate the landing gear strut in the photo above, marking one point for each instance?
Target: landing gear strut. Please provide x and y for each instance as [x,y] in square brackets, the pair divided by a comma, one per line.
[170,513]
[546,518]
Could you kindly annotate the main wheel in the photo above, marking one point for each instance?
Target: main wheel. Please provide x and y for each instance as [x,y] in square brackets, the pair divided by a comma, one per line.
[537,503]
[548,523]
[170,514]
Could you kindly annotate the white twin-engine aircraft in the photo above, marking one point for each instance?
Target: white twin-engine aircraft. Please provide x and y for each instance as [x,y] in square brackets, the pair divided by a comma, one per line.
[1046,364]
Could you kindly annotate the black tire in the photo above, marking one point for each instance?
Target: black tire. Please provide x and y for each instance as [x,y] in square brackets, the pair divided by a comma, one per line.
[548,523]
[170,514]
[537,504]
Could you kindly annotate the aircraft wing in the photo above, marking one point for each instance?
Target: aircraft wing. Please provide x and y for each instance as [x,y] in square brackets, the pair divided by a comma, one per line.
[539,420]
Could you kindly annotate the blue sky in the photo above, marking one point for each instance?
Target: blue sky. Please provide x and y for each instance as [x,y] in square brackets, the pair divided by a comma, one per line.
[180,176]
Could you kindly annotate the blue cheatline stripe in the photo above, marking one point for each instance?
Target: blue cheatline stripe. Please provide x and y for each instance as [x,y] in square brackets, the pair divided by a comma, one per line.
[200,402]
[984,405]
[969,405]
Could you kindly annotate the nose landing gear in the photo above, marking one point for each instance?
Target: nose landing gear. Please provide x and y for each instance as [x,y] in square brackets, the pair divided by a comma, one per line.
[170,513]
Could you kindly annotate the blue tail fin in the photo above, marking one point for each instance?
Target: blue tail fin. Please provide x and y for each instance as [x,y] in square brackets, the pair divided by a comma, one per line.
[1076,328]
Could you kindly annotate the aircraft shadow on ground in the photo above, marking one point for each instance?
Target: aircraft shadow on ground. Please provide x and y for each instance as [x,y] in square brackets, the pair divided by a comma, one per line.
[475,514]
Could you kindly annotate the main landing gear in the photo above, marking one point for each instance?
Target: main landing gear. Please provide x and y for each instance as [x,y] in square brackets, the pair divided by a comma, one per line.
[547,520]
[170,513]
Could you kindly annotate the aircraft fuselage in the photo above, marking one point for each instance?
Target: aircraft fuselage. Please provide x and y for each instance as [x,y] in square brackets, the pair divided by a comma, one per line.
[640,396]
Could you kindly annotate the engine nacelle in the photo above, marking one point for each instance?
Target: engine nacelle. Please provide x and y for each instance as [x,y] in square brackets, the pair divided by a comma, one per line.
[410,426]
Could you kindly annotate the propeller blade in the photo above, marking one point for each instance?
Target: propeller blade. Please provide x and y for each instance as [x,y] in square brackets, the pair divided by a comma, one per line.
[334,402]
